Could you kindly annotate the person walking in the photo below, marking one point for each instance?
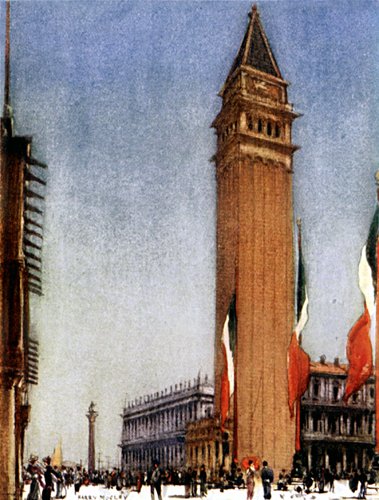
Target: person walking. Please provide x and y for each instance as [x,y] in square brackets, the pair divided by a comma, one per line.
[156,481]
[203,481]
[362,478]
[321,480]
[165,483]
[194,483]
[353,481]
[35,471]
[48,475]
[139,480]
[308,481]
[267,476]
[332,476]
[59,481]
[187,482]
[78,479]
[250,473]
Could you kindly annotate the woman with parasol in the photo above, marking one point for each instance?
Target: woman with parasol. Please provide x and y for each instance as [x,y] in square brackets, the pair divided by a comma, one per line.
[35,469]
[251,464]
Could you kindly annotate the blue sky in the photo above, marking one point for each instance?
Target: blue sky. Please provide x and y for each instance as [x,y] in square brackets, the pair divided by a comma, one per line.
[119,97]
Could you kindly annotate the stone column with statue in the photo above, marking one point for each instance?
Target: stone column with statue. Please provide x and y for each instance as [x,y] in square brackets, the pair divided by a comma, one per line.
[91,415]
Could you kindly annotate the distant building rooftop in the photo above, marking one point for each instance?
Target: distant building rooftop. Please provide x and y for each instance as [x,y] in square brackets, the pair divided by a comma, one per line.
[327,368]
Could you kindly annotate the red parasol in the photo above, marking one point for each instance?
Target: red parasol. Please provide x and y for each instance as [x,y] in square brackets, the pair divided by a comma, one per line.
[256,462]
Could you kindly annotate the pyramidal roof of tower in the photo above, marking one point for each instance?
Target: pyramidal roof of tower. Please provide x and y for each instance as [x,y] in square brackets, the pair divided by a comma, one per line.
[255,50]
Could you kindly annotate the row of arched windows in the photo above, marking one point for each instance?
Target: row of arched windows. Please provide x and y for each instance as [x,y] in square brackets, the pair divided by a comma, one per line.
[267,127]
[333,391]
[232,127]
[342,425]
[259,125]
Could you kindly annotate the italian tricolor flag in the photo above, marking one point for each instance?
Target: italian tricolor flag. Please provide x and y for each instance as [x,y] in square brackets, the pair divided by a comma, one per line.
[298,359]
[359,348]
[228,340]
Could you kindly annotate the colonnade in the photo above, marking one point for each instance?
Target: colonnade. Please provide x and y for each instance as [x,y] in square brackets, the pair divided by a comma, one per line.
[168,455]
[338,459]
[345,424]
[204,453]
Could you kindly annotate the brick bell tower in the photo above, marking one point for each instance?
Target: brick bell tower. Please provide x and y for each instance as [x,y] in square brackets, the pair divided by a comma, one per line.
[255,255]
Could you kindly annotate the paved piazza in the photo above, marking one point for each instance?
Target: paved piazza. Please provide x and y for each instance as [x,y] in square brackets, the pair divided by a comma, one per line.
[342,491]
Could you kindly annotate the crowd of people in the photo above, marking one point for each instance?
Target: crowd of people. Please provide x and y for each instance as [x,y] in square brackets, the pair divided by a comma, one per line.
[322,479]
[42,475]
[43,479]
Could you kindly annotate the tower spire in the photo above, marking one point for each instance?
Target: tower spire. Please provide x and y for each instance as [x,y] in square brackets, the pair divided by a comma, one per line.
[255,51]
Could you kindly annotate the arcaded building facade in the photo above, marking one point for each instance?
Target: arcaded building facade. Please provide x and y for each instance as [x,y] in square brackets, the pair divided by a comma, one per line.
[20,273]
[177,427]
[255,247]
[334,434]
[154,426]
[205,446]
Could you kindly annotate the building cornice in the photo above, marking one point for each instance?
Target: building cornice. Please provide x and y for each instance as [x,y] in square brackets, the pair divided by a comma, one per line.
[226,157]
[162,402]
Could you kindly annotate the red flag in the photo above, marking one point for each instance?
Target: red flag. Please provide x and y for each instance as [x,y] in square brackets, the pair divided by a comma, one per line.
[359,354]
[359,348]
[298,359]
[298,372]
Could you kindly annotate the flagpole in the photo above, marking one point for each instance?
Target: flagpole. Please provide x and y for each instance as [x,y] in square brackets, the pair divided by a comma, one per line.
[236,291]
[298,291]
[235,406]
[297,421]
[377,336]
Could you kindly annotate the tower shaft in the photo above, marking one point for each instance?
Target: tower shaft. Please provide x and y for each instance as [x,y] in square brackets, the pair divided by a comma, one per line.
[255,258]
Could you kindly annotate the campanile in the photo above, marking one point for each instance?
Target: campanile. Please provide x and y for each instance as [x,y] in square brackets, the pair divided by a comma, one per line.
[255,256]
